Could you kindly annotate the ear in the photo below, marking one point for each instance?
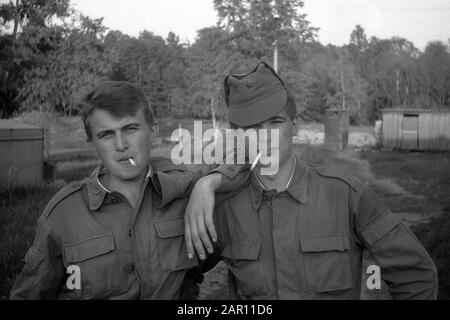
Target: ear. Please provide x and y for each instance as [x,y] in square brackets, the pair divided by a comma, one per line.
[154,129]
[295,124]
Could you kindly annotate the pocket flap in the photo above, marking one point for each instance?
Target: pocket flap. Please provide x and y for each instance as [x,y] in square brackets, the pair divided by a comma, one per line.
[171,228]
[331,242]
[89,248]
[242,250]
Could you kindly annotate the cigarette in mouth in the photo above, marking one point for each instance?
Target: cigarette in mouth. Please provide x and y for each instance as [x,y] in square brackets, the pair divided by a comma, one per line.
[256,161]
[132,162]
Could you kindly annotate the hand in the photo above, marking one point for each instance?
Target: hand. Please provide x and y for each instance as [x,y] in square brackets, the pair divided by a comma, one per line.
[198,218]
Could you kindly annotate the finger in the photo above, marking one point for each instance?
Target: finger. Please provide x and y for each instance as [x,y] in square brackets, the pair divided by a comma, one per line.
[210,225]
[198,244]
[188,239]
[204,234]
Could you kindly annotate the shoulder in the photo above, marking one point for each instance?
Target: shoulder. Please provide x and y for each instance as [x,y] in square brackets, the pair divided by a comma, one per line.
[64,194]
[334,175]
[162,164]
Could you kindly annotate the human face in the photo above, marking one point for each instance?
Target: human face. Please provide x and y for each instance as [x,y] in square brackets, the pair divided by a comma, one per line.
[119,139]
[283,147]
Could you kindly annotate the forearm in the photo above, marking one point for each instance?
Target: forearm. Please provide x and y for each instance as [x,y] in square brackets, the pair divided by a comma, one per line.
[222,178]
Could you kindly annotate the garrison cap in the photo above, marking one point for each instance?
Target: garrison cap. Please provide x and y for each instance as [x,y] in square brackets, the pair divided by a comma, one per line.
[254,97]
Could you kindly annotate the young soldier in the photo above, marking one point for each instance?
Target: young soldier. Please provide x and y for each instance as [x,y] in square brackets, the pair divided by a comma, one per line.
[117,234]
[300,233]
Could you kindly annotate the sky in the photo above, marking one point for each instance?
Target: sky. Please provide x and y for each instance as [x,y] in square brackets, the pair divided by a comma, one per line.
[417,20]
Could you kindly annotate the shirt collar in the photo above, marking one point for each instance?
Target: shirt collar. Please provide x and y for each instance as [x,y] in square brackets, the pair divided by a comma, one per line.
[297,185]
[97,192]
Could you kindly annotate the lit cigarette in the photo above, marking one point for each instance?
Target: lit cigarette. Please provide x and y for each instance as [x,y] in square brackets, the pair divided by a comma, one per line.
[256,161]
[132,162]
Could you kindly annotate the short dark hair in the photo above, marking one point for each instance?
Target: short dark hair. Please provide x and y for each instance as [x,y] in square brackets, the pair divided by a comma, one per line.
[119,98]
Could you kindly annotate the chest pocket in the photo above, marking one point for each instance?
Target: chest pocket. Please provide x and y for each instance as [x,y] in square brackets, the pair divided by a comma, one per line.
[172,247]
[327,262]
[98,263]
[244,263]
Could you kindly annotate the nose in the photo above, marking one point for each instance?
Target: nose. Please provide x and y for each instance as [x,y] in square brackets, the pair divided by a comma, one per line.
[121,143]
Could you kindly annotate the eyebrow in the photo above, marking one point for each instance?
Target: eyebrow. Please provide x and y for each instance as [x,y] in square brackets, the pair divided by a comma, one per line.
[134,124]
[277,118]
[104,131]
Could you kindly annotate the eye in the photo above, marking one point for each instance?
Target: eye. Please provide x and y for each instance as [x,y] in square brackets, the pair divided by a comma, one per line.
[104,135]
[131,129]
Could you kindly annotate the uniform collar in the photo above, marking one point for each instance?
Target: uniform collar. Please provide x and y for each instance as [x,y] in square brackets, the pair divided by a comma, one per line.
[297,186]
[97,192]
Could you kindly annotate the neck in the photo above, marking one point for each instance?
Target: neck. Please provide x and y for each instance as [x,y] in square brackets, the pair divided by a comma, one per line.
[280,180]
[131,189]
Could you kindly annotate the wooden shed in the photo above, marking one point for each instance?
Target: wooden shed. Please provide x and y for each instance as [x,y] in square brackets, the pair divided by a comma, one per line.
[416,129]
[21,154]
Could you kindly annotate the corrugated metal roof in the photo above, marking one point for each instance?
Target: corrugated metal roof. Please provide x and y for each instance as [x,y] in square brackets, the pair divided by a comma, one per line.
[11,130]
[401,110]
[14,124]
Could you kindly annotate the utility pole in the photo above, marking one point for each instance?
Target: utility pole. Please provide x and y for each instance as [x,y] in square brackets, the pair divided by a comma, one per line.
[275,56]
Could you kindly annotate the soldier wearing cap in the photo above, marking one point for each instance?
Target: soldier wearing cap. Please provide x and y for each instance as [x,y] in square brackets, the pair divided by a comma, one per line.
[117,234]
[300,233]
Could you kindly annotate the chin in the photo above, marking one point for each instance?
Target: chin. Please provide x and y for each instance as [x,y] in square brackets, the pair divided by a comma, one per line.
[126,175]
[129,177]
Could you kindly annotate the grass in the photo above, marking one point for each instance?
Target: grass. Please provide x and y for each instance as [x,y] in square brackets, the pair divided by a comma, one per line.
[18,218]
[425,177]
[424,174]
[410,183]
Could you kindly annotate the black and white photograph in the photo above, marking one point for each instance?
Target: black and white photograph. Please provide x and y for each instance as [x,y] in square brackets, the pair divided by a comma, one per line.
[224,150]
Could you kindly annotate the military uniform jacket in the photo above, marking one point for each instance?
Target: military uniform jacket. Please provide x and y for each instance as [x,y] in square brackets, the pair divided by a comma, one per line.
[121,252]
[307,242]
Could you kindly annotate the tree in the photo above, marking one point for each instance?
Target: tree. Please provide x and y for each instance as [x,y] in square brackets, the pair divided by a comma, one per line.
[255,25]
[435,71]
[77,60]
[210,59]
[33,35]
[349,88]
[37,13]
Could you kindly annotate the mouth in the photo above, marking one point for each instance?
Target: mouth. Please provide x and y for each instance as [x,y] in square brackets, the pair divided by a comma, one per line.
[129,161]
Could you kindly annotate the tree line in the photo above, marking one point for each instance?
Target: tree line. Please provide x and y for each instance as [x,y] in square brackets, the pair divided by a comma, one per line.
[50,52]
